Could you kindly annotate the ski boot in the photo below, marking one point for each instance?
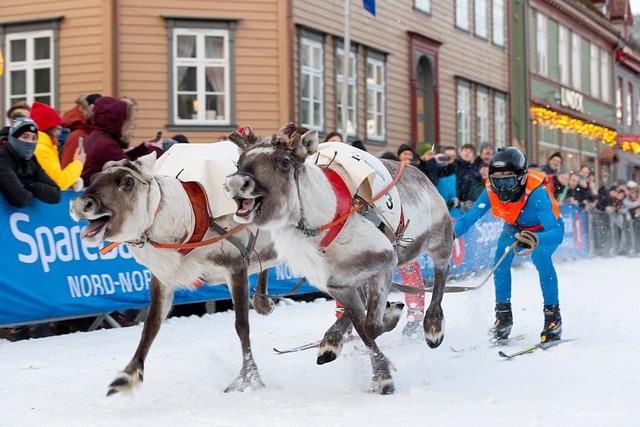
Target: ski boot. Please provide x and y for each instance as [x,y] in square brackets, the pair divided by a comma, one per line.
[552,324]
[504,321]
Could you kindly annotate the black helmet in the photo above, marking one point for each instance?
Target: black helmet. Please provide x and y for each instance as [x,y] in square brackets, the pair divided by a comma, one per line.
[509,188]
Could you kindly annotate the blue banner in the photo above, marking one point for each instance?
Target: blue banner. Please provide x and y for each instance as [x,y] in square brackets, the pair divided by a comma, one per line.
[370,6]
[48,273]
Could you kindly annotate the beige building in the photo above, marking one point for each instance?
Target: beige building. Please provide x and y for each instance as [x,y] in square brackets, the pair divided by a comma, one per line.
[422,70]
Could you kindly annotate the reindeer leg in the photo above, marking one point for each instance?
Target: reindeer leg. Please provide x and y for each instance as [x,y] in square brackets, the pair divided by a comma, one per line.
[261,302]
[249,378]
[440,251]
[331,344]
[132,376]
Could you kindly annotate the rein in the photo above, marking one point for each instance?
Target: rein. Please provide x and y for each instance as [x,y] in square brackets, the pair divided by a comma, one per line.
[311,232]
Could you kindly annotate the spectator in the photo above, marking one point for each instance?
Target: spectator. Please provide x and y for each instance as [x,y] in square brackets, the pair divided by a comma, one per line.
[405,152]
[80,124]
[333,137]
[21,177]
[48,121]
[358,144]
[469,183]
[175,139]
[632,202]
[447,182]
[581,192]
[564,178]
[114,121]
[483,160]
[552,168]
[18,110]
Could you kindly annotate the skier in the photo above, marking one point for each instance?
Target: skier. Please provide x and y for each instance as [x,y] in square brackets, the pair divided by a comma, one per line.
[523,199]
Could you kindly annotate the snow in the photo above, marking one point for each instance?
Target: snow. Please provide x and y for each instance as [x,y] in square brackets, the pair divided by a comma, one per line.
[594,380]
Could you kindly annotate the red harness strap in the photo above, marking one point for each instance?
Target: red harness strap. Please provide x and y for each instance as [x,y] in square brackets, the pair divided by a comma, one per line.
[198,200]
[343,204]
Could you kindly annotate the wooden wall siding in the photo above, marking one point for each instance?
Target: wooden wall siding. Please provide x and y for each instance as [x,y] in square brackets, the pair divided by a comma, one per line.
[81,65]
[144,67]
[461,54]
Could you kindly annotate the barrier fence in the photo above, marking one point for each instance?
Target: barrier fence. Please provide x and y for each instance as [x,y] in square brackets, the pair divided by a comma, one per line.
[48,273]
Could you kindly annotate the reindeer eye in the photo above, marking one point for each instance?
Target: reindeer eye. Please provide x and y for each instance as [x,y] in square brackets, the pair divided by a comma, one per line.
[127,182]
[285,163]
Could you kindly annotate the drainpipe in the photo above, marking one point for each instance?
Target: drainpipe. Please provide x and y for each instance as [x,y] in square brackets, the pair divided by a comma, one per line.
[115,29]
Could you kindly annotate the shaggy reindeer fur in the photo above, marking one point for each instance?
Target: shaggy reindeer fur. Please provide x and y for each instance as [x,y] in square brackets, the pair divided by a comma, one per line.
[126,201]
[277,189]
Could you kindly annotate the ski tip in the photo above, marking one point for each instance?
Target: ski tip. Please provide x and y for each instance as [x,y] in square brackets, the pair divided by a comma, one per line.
[503,354]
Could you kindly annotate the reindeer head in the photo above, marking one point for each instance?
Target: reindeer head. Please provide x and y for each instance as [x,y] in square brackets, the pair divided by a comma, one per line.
[265,185]
[120,202]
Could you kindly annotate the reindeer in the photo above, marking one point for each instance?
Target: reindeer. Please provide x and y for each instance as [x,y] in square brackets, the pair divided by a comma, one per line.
[279,188]
[126,202]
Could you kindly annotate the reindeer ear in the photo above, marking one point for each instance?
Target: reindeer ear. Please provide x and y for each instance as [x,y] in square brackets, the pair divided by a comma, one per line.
[306,145]
[147,162]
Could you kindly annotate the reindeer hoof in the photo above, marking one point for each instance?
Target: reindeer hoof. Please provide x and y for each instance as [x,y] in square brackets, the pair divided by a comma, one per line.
[383,386]
[328,352]
[263,305]
[241,384]
[392,315]
[436,343]
[125,383]
[434,328]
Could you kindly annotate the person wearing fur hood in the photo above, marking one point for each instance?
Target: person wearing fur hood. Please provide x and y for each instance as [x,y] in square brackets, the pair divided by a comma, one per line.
[114,123]
[80,124]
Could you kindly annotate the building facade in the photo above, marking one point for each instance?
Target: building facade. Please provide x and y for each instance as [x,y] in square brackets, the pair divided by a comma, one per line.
[420,70]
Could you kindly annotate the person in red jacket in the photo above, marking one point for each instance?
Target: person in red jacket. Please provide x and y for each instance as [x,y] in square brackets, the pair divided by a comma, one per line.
[80,124]
[114,121]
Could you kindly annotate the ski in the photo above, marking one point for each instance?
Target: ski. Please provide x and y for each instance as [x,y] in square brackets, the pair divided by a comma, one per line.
[308,346]
[531,349]
[492,343]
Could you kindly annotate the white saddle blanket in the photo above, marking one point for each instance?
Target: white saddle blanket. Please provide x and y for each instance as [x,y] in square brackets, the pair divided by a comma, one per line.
[364,174]
[207,164]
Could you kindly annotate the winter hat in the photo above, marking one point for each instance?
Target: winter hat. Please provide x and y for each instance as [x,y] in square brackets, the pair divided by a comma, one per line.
[91,98]
[424,148]
[180,139]
[403,148]
[45,116]
[358,144]
[632,184]
[22,125]
[485,145]
[19,127]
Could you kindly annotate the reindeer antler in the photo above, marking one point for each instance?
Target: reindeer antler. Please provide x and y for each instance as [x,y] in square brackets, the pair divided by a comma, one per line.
[243,138]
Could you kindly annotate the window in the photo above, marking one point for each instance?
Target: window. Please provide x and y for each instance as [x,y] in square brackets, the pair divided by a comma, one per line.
[629,98]
[563,54]
[498,22]
[423,5]
[201,77]
[500,119]
[619,108]
[352,95]
[311,84]
[375,98]
[482,115]
[576,70]
[462,14]
[541,45]
[595,71]
[605,75]
[30,68]
[637,111]
[463,113]
[481,9]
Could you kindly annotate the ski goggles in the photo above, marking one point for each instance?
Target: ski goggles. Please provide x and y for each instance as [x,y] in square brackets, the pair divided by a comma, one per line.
[504,182]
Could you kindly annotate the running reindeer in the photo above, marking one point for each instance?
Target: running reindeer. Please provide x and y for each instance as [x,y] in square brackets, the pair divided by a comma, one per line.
[127,203]
[279,188]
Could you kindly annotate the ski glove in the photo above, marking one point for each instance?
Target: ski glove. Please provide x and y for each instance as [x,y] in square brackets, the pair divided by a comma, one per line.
[527,240]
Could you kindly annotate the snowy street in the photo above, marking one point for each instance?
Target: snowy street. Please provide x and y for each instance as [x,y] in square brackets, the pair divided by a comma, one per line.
[594,380]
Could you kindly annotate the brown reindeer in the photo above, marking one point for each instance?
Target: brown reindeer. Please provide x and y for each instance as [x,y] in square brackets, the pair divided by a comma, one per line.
[127,202]
[279,188]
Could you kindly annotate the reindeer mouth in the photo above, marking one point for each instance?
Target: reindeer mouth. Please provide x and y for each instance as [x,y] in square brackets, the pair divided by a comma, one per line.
[96,225]
[248,206]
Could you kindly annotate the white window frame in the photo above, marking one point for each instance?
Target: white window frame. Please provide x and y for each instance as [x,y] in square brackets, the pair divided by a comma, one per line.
[463,113]
[500,119]
[576,61]
[629,104]
[637,110]
[542,45]
[594,69]
[201,63]
[498,23]
[352,101]
[462,14]
[312,72]
[481,18]
[619,101]
[423,5]
[564,36]
[482,114]
[30,65]
[605,75]
[379,111]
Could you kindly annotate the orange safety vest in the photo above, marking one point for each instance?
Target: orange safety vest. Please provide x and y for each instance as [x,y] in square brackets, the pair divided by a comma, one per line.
[509,212]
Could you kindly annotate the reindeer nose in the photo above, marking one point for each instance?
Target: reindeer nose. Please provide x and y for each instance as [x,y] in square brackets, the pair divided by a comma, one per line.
[89,204]
[237,185]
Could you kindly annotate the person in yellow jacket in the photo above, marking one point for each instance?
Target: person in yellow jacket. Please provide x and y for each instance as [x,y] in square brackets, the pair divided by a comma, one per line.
[48,121]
